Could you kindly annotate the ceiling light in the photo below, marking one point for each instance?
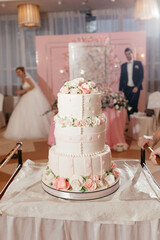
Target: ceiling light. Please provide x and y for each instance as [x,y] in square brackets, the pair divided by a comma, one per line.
[3,5]
[146,9]
[59,2]
[28,15]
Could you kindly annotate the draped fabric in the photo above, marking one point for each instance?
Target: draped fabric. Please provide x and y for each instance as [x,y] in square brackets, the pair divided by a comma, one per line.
[18,44]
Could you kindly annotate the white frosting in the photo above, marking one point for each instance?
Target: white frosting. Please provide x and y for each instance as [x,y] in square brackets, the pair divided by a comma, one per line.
[79,105]
[80,156]
[79,140]
[67,166]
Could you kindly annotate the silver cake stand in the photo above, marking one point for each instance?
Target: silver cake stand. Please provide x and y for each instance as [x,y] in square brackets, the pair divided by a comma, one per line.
[70,195]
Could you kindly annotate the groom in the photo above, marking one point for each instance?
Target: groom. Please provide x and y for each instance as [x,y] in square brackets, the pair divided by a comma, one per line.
[131,80]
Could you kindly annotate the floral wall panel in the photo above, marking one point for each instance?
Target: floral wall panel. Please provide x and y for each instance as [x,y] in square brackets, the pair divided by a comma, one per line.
[98,56]
[88,61]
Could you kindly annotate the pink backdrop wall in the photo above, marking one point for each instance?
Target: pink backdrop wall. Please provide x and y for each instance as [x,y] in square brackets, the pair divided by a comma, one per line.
[53,64]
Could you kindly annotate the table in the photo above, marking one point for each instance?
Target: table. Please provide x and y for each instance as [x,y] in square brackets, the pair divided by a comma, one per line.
[133,212]
[115,127]
[141,125]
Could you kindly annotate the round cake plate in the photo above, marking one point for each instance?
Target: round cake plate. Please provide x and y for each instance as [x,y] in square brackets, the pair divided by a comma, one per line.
[70,195]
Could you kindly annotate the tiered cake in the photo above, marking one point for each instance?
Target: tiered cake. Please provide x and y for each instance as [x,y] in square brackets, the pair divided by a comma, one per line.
[80,162]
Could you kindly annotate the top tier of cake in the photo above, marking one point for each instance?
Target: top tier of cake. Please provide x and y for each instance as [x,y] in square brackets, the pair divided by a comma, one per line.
[79,106]
[79,99]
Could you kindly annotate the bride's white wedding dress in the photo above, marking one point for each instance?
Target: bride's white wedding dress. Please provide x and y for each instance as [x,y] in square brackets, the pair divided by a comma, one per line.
[26,121]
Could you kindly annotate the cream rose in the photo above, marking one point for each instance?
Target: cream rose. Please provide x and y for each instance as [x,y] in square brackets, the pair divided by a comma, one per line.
[76,182]
[110,179]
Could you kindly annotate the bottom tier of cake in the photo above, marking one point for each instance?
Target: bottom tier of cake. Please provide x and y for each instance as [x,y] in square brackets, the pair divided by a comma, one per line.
[80,165]
[102,176]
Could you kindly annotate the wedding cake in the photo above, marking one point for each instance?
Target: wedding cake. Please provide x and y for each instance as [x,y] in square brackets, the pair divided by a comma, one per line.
[80,162]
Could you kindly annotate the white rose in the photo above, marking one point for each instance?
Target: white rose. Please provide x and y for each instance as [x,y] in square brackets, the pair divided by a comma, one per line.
[110,179]
[103,116]
[73,90]
[99,183]
[66,84]
[76,182]
[96,121]
[91,84]
[75,82]
[68,122]
[86,122]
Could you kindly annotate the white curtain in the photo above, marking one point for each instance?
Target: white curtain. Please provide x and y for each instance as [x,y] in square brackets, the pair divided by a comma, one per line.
[18,45]
[66,23]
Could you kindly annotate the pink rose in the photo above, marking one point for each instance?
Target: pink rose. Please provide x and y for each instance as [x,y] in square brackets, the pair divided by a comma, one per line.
[61,183]
[90,185]
[62,122]
[77,123]
[84,88]
[65,90]
[116,172]
[111,105]
[113,165]
[101,120]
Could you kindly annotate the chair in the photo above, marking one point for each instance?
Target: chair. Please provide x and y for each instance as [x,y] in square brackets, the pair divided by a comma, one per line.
[154,103]
[140,124]
[2,118]
[154,100]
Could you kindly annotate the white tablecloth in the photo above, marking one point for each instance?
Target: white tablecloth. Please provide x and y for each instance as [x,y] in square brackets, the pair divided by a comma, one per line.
[133,212]
[141,125]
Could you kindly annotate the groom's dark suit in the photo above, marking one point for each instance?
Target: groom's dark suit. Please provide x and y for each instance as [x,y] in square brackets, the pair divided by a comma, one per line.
[137,77]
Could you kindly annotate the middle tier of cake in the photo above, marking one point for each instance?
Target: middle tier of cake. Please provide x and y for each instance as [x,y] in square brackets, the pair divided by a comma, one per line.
[80,140]
[84,165]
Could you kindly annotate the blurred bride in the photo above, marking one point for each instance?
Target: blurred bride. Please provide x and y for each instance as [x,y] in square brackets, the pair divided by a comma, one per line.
[26,121]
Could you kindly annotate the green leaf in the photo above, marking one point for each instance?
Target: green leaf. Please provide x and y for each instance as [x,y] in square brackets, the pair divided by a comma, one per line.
[85,178]
[67,84]
[67,179]
[78,90]
[83,189]
[74,119]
